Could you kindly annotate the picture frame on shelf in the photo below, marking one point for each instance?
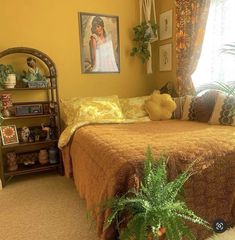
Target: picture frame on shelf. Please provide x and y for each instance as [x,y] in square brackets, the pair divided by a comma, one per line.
[9,134]
[165,57]
[99,43]
[165,23]
[28,110]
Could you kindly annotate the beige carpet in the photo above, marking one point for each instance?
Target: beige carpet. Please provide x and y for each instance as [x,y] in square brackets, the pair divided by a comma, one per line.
[228,235]
[43,207]
[47,207]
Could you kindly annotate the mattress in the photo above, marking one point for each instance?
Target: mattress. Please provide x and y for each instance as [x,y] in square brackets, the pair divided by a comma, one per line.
[107,159]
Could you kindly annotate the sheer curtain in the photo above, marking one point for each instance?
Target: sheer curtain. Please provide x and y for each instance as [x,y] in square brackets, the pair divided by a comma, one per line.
[214,65]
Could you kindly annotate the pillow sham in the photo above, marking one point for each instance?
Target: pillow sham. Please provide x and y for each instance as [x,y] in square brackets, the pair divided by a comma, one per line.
[189,108]
[133,108]
[222,112]
[179,101]
[204,106]
[69,109]
[99,108]
[90,108]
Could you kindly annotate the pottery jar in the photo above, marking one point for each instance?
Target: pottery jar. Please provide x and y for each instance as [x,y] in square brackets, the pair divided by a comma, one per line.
[43,156]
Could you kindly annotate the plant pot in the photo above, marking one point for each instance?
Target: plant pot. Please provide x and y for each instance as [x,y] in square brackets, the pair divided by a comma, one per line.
[10,81]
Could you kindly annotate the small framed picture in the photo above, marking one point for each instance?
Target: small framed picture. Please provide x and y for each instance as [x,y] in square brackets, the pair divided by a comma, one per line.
[166,25]
[31,109]
[165,57]
[99,43]
[9,134]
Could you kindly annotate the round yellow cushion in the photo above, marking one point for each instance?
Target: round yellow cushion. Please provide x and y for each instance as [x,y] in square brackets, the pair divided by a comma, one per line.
[160,106]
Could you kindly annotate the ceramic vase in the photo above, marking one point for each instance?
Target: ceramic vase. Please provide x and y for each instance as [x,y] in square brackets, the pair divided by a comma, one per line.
[53,154]
[6,103]
[11,161]
[43,156]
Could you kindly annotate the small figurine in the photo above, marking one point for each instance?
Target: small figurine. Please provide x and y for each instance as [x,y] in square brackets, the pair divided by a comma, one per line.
[11,161]
[47,130]
[25,134]
[34,73]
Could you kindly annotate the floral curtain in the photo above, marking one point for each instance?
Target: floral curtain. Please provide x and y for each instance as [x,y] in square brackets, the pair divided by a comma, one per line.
[191,17]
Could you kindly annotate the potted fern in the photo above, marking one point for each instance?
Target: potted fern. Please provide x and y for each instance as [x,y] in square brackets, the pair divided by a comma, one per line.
[156,208]
[144,33]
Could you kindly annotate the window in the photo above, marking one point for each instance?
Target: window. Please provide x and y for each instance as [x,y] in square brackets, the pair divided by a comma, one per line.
[214,65]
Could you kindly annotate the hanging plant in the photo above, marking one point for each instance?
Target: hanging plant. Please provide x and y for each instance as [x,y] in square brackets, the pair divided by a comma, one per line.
[144,34]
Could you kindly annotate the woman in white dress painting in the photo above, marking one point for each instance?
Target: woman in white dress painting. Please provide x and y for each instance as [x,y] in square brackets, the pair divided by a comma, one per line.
[101,48]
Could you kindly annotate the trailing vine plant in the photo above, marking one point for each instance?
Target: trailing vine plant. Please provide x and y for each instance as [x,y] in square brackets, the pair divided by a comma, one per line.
[143,33]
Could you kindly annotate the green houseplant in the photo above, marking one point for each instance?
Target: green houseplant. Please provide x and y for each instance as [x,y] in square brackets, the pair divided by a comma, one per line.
[157,207]
[7,75]
[143,34]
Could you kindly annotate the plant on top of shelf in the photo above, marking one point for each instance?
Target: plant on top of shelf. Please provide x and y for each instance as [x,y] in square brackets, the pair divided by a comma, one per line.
[5,71]
[144,33]
[156,208]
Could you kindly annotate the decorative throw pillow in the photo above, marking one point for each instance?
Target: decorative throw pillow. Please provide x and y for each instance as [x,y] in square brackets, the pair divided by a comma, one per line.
[189,109]
[222,111]
[99,108]
[69,109]
[204,106]
[160,106]
[133,108]
[177,114]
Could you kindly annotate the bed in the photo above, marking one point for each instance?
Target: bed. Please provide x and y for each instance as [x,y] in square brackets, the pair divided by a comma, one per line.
[106,159]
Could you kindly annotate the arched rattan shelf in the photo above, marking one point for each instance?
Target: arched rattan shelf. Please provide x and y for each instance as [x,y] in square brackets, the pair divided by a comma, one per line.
[49,114]
[46,59]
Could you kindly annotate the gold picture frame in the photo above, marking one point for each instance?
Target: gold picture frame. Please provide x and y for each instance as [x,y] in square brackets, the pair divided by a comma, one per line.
[165,57]
[165,22]
[99,43]
[9,134]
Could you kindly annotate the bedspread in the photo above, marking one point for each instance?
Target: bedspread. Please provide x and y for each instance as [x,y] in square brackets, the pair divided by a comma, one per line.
[106,159]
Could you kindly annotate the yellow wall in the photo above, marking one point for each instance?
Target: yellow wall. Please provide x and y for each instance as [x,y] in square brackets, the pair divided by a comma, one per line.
[51,26]
[162,77]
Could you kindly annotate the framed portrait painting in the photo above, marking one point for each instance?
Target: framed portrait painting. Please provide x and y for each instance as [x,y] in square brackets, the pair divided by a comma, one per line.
[9,134]
[165,25]
[165,57]
[99,43]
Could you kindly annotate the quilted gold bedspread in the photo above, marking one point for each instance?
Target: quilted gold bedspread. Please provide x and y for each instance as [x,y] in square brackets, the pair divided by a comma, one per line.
[106,159]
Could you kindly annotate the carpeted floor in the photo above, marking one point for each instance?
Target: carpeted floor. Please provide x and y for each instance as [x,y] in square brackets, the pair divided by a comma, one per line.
[43,207]
[228,235]
[47,207]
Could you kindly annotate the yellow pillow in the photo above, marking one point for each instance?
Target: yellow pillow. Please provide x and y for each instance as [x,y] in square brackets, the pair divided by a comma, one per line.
[90,109]
[99,108]
[133,108]
[69,109]
[160,106]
